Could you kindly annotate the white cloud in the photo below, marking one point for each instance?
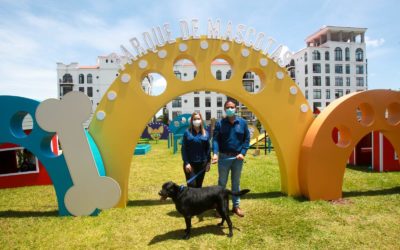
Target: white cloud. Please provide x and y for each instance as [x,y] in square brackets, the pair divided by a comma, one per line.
[374,43]
[159,84]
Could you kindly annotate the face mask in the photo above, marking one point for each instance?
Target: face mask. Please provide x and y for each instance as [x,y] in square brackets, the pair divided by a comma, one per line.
[196,123]
[230,112]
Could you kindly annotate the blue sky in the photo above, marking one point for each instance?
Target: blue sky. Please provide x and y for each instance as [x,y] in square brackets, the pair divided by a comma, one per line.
[34,35]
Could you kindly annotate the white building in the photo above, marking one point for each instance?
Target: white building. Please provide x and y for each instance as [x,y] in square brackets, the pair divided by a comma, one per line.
[333,64]
[95,80]
[92,80]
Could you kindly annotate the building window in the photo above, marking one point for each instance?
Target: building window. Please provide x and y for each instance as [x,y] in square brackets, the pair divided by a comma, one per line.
[178,75]
[338,81]
[197,102]
[177,103]
[305,57]
[306,82]
[248,85]
[327,81]
[228,74]
[82,89]
[316,68]
[328,94]
[327,68]
[65,90]
[175,114]
[218,75]
[316,55]
[338,68]
[219,114]
[338,93]
[194,73]
[208,115]
[90,91]
[208,102]
[207,92]
[347,68]
[219,101]
[317,94]
[347,81]
[316,106]
[347,91]
[81,78]
[306,94]
[338,54]
[359,55]
[360,81]
[316,81]
[327,55]
[306,69]
[196,92]
[89,78]
[359,69]
[67,78]
[347,54]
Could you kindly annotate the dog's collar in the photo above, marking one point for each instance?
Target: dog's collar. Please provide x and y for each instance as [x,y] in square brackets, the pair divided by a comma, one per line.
[181,187]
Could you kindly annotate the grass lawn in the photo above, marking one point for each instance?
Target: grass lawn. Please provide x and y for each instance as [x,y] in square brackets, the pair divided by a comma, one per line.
[369,217]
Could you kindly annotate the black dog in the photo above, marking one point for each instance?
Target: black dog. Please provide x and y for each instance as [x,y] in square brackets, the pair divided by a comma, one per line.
[193,201]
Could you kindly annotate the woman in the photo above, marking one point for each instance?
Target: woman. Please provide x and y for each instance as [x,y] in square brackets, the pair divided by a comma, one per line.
[196,151]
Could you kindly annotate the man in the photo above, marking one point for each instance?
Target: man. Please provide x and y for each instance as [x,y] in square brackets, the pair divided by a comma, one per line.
[230,144]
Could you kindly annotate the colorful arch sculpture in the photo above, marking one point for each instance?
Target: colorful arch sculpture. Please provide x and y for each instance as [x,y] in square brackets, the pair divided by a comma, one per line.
[125,109]
[322,160]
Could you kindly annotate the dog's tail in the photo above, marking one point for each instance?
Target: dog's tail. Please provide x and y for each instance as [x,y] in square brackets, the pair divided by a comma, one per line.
[240,193]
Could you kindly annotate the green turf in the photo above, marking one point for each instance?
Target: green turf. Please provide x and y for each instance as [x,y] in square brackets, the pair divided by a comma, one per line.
[369,217]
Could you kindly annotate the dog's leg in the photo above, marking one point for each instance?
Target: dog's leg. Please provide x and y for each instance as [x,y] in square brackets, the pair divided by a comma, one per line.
[188,221]
[228,220]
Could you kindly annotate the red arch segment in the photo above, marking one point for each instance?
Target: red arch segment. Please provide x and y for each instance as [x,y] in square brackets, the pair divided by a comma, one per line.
[323,159]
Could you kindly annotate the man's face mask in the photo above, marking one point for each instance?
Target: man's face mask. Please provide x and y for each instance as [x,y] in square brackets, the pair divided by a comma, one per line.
[230,112]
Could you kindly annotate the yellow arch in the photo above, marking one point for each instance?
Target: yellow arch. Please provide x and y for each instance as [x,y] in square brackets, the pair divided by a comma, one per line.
[322,161]
[280,106]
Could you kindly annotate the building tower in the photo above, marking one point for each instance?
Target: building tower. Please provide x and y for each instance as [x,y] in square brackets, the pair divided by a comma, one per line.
[333,64]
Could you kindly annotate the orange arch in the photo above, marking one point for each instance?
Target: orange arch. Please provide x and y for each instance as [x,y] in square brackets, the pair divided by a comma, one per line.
[322,161]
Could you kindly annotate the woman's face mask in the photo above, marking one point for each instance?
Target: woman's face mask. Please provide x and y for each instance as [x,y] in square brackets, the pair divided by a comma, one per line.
[230,112]
[196,123]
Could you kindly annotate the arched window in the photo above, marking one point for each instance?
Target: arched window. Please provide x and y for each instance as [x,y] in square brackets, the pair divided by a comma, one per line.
[67,78]
[327,55]
[359,55]
[81,78]
[305,57]
[89,78]
[338,54]
[316,55]
[218,75]
[347,54]
[228,74]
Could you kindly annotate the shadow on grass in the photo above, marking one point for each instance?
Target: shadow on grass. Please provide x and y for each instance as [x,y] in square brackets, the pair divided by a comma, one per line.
[149,202]
[265,195]
[24,214]
[388,191]
[364,169]
[178,234]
